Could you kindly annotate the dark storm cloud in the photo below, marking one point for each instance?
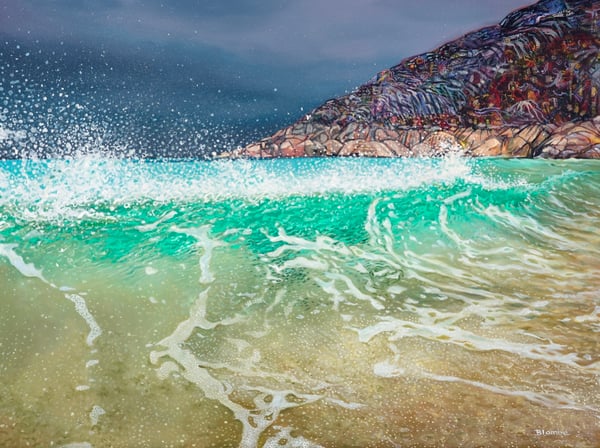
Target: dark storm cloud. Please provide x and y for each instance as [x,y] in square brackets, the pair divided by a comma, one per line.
[157,71]
[220,8]
[66,5]
[293,32]
[283,51]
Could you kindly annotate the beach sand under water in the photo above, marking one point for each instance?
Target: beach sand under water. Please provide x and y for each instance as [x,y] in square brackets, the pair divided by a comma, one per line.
[299,303]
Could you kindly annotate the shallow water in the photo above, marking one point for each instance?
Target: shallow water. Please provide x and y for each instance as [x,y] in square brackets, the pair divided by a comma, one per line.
[332,303]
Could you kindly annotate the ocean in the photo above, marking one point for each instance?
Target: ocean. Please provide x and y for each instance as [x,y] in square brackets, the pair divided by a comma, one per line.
[299,303]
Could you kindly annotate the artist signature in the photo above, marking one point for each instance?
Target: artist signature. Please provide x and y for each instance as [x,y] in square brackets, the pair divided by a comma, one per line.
[550,433]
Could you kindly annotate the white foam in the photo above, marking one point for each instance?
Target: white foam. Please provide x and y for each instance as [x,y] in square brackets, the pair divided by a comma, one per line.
[213,388]
[329,288]
[268,403]
[391,369]
[207,244]
[27,269]
[304,262]
[594,316]
[343,404]
[386,369]
[95,414]
[64,188]
[166,369]
[529,226]
[396,289]
[9,134]
[322,245]
[549,400]
[152,226]
[458,196]
[284,439]
[448,333]
[327,259]
[84,312]
[354,291]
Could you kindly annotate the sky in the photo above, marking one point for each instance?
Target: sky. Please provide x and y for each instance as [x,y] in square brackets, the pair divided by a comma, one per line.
[242,61]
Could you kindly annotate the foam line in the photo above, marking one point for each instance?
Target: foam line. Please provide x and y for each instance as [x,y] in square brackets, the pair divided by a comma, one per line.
[285,439]
[152,226]
[547,400]
[213,389]
[27,269]
[399,329]
[84,312]
[387,369]
[268,403]
[207,245]
[354,291]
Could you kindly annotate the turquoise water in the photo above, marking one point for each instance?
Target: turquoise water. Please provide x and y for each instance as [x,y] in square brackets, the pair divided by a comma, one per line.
[362,302]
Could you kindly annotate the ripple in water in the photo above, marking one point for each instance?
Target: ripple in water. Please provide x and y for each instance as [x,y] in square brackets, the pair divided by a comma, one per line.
[299,303]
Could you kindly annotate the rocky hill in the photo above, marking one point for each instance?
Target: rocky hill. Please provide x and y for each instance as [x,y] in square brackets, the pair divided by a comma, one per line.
[527,87]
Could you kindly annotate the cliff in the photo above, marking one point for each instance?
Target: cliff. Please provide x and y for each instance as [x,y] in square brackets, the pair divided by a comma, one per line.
[527,87]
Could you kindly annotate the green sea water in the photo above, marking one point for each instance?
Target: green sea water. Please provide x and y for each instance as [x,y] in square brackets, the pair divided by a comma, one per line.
[299,303]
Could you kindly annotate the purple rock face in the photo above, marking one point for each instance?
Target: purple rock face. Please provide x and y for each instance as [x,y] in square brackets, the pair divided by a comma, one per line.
[528,87]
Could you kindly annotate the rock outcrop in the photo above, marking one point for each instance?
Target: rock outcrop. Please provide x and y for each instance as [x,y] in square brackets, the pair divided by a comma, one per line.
[528,87]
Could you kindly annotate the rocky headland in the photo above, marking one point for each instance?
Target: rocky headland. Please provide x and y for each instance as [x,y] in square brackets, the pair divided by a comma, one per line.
[527,87]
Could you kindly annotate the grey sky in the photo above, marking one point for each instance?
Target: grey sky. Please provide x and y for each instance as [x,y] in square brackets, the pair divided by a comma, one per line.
[283,31]
[247,64]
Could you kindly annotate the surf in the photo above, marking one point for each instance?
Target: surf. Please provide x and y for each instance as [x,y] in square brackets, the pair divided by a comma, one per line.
[301,302]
